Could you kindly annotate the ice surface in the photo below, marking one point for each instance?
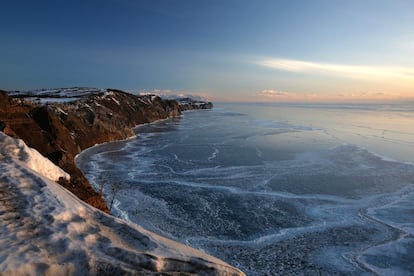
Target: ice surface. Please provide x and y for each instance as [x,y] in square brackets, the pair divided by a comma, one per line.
[46,230]
[285,190]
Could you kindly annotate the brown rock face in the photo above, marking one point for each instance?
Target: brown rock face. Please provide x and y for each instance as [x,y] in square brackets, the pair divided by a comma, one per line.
[60,131]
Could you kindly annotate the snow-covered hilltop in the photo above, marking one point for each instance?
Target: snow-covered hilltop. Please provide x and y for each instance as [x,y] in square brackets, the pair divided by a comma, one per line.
[72,94]
[56,95]
[46,230]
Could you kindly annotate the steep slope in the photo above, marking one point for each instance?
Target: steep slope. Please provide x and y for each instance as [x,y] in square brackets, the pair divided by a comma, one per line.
[61,123]
[46,230]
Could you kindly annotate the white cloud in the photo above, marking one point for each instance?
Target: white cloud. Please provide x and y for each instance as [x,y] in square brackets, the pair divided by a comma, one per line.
[274,95]
[278,95]
[348,71]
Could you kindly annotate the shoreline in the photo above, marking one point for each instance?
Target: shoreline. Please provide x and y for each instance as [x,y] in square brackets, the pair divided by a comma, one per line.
[61,130]
[78,158]
[132,137]
[130,247]
[47,230]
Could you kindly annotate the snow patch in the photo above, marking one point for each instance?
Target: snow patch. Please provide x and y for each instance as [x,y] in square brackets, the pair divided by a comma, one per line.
[30,157]
[60,110]
[117,102]
[108,94]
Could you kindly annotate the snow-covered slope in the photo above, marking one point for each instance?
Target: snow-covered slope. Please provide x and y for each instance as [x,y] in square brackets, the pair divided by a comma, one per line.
[46,230]
[29,157]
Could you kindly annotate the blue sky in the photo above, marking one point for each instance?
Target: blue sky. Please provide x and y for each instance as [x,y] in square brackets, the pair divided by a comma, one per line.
[314,50]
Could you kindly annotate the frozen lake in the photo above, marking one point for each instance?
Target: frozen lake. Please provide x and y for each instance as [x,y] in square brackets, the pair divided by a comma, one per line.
[273,188]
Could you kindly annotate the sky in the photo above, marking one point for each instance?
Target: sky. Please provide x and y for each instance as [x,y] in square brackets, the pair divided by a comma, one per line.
[225,50]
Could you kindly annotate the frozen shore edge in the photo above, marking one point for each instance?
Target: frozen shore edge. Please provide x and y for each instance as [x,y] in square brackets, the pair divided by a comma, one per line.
[47,230]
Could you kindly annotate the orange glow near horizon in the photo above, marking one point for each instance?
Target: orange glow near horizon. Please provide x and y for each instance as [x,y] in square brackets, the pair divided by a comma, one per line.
[337,82]
[269,95]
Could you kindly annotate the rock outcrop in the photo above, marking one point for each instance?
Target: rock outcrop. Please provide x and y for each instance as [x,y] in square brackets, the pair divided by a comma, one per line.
[72,121]
[191,104]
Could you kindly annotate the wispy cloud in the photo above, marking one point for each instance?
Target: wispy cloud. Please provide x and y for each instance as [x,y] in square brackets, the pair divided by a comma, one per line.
[341,70]
[281,96]
[274,95]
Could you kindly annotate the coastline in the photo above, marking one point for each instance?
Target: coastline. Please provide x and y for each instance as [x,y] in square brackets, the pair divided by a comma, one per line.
[79,118]
[79,158]
[61,216]
[46,230]
[122,140]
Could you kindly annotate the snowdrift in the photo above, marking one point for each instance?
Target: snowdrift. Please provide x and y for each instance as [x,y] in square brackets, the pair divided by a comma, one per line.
[46,230]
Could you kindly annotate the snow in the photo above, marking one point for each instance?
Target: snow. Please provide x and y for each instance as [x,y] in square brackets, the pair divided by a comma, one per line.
[30,157]
[46,230]
[52,100]
[172,95]
[60,110]
[57,95]
[117,102]
[142,101]
[108,94]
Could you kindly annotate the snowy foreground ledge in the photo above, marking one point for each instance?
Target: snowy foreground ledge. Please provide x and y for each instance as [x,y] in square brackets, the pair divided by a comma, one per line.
[46,230]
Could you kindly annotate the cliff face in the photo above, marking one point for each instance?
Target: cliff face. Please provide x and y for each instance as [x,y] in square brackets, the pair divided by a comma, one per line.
[61,129]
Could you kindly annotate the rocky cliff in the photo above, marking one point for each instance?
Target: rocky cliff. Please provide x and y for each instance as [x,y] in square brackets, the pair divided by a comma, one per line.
[61,123]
